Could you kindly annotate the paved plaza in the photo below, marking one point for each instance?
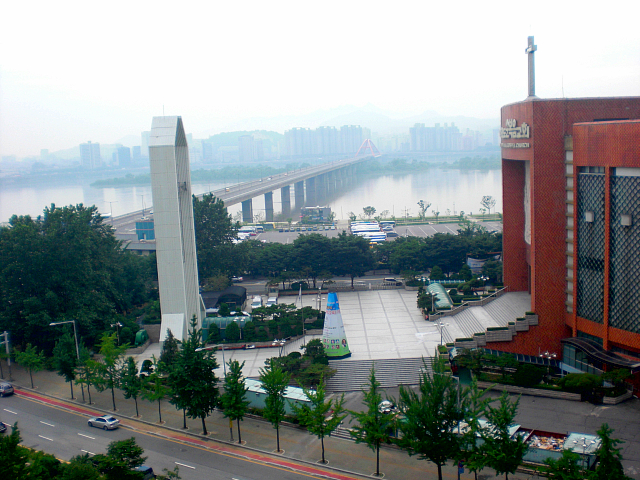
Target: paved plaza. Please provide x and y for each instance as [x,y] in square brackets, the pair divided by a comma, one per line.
[382,324]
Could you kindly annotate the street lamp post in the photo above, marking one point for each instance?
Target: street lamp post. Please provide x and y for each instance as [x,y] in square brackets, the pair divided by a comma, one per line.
[75,335]
[441,325]
[211,347]
[117,325]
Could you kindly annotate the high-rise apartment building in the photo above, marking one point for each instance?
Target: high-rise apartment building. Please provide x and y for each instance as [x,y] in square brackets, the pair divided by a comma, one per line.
[436,138]
[90,155]
[245,148]
[124,156]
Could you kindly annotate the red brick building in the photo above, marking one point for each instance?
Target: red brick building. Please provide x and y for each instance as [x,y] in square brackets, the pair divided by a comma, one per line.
[571,196]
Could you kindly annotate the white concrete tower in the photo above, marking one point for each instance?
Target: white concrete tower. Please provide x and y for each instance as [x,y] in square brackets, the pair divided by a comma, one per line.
[174,229]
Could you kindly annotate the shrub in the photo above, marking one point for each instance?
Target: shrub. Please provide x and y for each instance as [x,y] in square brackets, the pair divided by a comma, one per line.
[528,375]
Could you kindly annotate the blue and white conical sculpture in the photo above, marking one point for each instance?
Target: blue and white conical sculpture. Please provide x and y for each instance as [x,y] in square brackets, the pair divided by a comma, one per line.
[333,337]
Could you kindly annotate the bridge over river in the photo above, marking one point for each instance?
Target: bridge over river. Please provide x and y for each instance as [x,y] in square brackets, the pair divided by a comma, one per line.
[309,184]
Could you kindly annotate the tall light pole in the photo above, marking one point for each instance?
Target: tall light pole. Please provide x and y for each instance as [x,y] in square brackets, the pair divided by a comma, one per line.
[117,325]
[441,325]
[75,335]
[211,347]
[111,209]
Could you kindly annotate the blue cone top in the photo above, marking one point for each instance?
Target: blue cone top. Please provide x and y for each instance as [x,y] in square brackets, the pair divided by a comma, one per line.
[332,302]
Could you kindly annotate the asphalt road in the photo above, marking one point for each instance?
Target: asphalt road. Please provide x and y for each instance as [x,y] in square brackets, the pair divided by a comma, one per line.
[66,434]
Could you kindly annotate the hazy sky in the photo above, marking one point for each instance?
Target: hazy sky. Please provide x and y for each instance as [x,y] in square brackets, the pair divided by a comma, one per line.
[77,71]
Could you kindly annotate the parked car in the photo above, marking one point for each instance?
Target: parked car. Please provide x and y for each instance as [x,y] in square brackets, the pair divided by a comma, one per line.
[249,347]
[105,422]
[146,368]
[237,279]
[147,472]
[272,301]
[6,389]
[3,427]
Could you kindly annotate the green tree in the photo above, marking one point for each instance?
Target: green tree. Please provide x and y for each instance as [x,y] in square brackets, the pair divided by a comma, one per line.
[232,332]
[488,202]
[566,467]
[80,468]
[107,369]
[473,406]
[233,400]
[86,370]
[424,206]
[129,381]
[502,452]
[66,359]
[351,255]
[215,232]
[13,457]
[43,466]
[121,460]
[323,416]
[369,211]
[153,388]
[66,263]
[431,415]
[609,457]
[193,381]
[436,273]
[311,256]
[374,426]
[274,383]
[31,359]
[170,351]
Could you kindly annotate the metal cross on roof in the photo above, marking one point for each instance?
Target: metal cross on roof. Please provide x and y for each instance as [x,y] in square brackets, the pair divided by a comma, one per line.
[531,48]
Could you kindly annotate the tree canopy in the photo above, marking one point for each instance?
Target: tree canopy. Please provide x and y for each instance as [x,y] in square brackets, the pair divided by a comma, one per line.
[65,264]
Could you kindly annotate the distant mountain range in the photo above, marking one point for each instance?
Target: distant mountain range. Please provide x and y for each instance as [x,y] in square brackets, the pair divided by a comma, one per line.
[378,120]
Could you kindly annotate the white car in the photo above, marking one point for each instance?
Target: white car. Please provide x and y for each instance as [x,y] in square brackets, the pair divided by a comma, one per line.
[105,422]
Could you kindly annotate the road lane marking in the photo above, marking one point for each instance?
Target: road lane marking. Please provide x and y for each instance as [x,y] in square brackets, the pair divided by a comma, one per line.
[47,423]
[9,411]
[237,455]
[86,436]
[87,451]
[46,438]
[184,465]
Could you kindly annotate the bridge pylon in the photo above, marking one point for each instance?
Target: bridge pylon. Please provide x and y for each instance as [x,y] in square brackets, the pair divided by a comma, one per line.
[368,145]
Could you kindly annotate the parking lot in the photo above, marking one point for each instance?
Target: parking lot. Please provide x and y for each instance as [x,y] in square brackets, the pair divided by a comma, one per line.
[424,230]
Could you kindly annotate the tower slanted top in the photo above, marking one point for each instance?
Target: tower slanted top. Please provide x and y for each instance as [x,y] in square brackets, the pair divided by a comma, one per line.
[167,131]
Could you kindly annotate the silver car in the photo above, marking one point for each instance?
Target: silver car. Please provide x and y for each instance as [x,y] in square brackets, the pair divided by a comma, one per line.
[105,422]
[5,389]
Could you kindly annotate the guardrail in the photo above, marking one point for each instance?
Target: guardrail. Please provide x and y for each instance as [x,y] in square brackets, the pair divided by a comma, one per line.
[470,303]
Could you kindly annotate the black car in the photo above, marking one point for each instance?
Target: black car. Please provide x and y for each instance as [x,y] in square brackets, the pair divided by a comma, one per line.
[3,427]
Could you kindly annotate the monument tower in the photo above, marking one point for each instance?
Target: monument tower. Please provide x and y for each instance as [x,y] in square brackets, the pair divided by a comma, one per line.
[174,229]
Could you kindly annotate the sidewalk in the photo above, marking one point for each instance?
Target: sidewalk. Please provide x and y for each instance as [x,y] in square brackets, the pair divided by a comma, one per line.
[302,451]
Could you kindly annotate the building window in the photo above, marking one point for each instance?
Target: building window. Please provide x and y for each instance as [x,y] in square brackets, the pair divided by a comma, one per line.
[588,216]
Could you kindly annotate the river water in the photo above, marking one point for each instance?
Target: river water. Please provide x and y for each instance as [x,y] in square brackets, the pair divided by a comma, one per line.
[453,190]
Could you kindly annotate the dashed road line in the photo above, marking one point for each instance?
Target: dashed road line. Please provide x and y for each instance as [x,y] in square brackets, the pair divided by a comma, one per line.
[46,438]
[15,413]
[86,436]
[185,465]
[47,423]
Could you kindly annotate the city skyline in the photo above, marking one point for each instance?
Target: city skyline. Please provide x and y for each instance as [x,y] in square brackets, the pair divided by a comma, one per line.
[70,80]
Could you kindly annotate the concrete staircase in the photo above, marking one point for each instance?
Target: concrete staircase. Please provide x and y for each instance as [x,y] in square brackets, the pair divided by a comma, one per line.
[353,375]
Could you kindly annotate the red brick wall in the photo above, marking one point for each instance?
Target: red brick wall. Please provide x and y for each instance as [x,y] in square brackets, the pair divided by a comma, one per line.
[551,121]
